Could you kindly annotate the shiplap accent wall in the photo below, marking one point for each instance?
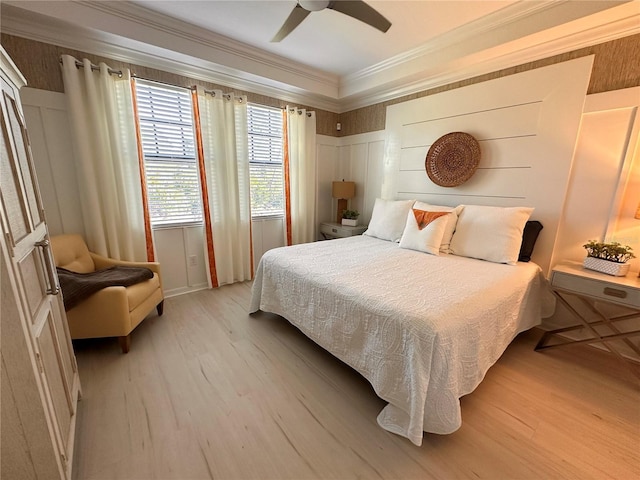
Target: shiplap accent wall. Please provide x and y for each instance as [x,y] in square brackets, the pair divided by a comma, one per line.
[526,124]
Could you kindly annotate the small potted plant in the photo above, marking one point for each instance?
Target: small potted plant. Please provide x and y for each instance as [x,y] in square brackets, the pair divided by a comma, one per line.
[610,258]
[350,217]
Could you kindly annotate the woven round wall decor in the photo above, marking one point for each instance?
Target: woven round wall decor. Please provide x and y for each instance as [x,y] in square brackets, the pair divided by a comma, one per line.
[452,159]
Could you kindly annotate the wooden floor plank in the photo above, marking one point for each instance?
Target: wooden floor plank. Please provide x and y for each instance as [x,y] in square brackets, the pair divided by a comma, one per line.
[210,392]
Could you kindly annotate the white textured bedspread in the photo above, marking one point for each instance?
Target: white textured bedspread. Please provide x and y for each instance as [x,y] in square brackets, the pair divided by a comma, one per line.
[423,329]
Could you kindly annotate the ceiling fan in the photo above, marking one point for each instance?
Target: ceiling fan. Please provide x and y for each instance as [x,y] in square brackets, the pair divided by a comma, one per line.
[354,8]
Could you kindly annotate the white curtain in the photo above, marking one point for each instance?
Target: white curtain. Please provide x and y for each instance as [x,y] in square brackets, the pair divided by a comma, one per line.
[223,120]
[102,120]
[301,145]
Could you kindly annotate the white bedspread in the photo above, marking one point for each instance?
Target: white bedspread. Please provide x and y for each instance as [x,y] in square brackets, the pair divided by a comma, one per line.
[422,329]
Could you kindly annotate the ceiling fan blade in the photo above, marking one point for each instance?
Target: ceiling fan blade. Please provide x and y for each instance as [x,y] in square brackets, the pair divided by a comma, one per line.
[361,11]
[297,15]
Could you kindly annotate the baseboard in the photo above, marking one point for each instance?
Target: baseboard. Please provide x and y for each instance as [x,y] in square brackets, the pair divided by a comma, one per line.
[184,290]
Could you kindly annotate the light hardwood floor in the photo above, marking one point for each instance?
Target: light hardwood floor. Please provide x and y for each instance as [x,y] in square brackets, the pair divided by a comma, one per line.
[209,392]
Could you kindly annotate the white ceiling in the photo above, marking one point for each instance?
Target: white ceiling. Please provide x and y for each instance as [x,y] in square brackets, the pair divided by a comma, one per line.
[328,40]
[330,60]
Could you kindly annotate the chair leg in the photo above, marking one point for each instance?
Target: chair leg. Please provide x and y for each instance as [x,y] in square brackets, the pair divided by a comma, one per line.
[125,343]
[160,308]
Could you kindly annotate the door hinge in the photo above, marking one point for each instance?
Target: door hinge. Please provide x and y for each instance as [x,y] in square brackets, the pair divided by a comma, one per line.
[10,244]
[39,362]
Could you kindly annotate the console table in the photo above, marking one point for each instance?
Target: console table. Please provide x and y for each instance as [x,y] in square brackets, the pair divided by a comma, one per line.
[331,230]
[571,279]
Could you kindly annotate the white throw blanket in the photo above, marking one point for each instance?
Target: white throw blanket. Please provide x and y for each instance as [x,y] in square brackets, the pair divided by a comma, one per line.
[423,329]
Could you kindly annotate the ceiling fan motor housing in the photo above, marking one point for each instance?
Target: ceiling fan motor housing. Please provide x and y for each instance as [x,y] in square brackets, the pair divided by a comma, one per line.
[357,9]
[314,5]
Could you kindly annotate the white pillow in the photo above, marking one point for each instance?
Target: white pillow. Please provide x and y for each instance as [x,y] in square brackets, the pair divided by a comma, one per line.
[423,230]
[388,219]
[452,220]
[490,233]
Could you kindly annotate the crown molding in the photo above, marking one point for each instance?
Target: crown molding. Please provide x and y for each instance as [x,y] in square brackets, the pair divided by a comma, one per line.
[614,23]
[490,23]
[169,45]
[133,34]
[244,54]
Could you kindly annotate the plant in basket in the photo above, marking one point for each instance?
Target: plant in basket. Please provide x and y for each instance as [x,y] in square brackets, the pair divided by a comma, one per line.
[350,217]
[610,258]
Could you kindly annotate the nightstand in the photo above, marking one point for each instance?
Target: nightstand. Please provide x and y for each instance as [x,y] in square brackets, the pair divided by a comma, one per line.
[336,230]
[590,288]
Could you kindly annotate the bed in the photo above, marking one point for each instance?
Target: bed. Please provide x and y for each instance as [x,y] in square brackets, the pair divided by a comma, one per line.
[422,328]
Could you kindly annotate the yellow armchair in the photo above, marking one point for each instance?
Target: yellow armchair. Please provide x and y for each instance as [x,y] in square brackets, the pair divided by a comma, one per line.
[112,311]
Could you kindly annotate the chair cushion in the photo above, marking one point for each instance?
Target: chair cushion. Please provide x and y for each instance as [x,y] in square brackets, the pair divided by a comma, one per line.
[138,293]
[70,252]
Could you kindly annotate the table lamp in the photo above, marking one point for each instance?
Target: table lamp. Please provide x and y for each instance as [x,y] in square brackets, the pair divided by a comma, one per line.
[343,191]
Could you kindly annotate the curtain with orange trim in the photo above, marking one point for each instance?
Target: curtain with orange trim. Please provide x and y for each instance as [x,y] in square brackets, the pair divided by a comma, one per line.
[148,232]
[212,274]
[226,182]
[101,117]
[300,176]
[287,189]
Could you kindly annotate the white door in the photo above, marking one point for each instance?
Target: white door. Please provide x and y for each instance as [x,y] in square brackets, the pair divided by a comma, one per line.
[26,237]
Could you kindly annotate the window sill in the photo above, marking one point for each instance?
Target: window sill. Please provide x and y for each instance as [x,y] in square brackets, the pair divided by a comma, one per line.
[174,226]
[264,218]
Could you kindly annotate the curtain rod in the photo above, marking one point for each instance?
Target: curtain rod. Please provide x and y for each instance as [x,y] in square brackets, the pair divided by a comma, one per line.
[224,95]
[192,88]
[111,71]
[293,110]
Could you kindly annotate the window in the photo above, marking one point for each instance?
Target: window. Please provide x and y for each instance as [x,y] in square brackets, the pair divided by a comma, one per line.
[165,116]
[265,161]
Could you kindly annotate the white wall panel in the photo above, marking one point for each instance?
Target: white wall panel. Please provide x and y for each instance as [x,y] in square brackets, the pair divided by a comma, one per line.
[358,174]
[171,253]
[494,153]
[485,185]
[267,233]
[604,190]
[327,173]
[360,159]
[504,122]
[194,250]
[538,111]
[373,185]
[46,117]
[272,234]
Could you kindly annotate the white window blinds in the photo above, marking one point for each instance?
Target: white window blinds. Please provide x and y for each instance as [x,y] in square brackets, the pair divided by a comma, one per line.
[165,116]
[265,161]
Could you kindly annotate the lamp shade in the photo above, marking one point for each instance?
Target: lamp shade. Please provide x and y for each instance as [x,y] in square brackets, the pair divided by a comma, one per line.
[344,189]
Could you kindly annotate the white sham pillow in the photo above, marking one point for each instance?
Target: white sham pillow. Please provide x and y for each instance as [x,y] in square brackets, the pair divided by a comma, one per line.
[388,219]
[423,230]
[490,233]
[452,220]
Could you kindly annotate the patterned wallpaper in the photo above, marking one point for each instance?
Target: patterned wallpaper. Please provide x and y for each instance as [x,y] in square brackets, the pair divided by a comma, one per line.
[615,66]
[40,64]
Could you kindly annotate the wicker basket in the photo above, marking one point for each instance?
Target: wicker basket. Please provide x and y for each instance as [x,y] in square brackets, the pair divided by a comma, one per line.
[605,266]
[452,159]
